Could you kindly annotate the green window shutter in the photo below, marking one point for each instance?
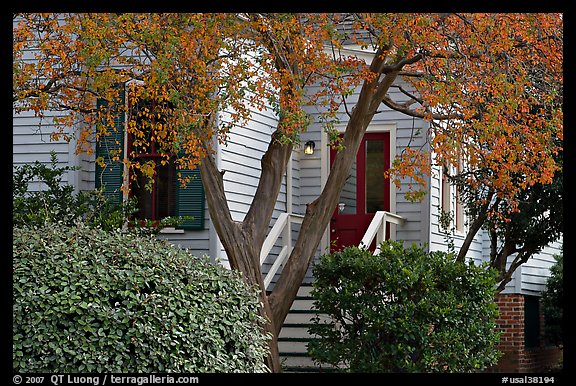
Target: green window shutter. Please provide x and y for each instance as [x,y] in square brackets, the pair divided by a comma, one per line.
[110,176]
[190,200]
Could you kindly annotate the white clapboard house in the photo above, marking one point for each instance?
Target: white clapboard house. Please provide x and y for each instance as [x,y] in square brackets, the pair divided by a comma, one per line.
[368,202]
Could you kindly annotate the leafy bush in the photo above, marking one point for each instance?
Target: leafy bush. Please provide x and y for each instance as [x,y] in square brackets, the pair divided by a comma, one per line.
[58,202]
[403,310]
[87,300]
[553,302]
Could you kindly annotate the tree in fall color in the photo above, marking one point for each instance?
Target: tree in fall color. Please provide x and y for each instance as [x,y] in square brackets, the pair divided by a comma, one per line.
[487,83]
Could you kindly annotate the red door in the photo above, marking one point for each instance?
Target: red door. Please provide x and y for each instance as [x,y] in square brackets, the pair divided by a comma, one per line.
[366,191]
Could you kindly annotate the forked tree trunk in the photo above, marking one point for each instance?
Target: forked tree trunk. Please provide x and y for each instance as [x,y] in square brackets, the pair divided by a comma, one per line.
[319,212]
[242,254]
[243,240]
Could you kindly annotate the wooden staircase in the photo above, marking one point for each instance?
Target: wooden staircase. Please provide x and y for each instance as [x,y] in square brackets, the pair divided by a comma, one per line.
[294,336]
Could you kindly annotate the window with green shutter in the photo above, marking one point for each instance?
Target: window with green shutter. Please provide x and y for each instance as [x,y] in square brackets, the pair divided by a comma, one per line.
[168,197]
[109,155]
[190,200]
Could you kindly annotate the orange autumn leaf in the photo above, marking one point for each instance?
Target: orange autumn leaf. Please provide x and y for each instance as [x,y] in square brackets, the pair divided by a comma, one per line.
[490,85]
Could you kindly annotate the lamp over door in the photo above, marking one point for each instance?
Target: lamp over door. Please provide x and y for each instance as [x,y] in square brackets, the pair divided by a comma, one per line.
[309,147]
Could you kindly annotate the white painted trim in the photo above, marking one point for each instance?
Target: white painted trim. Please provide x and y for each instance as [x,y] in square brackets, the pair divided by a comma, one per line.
[216,248]
[325,169]
[515,285]
[518,279]
[289,188]
[366,54]
[125,172]
[453,205]
[171,231]
[126,180]
[74,160]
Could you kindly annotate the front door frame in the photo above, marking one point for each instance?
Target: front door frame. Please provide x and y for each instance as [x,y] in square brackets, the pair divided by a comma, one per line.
[325,170]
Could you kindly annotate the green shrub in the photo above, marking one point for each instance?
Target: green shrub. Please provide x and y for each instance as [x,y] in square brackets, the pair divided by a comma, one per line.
[553,302]
[87,300]
[58,202]
[403,310]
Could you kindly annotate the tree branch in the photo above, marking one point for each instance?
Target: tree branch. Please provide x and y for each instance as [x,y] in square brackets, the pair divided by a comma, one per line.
[273,165]
[413,113]
[396,67]
[319,212]
[474,228]
[522,257]
[213,184]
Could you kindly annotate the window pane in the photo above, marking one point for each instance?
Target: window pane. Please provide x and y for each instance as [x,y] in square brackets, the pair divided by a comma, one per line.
[531,321]
[374,176]
[161,201]
[143,195]
[348,194]
[445,193]
[166,189]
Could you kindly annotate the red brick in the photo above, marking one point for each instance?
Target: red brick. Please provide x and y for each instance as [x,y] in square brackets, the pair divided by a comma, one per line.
[511,325]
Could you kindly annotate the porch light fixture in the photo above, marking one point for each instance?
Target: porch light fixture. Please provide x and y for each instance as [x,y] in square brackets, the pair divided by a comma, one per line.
[309,147]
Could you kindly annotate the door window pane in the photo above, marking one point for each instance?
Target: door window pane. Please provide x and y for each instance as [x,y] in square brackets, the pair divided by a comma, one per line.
[348,194]
[375,176]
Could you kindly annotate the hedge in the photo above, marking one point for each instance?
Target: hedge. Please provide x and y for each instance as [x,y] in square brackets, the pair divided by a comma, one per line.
[88,300]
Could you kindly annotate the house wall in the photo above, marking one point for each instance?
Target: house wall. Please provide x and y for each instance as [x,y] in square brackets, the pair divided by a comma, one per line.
[438,237]
[31,142]
[196,242]
[536,270]
[408,131]
[31,138]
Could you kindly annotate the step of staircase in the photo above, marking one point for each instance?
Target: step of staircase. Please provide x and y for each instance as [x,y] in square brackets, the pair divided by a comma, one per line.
[294,336]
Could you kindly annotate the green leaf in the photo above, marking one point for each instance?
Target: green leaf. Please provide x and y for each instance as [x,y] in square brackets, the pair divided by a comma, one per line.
[121,306]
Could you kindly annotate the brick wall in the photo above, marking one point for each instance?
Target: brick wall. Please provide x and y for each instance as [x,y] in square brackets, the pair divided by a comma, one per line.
[517,357]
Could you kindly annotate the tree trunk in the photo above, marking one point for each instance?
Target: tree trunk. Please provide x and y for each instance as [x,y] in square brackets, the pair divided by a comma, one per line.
[273,359]
[243,241]
[319,212]
[241,252]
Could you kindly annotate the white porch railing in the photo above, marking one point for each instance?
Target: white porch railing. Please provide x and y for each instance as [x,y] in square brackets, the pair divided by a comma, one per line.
[283,226]
[377,229]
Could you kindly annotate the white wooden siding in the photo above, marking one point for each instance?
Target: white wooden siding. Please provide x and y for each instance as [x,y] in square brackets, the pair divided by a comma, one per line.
[240,158]
[31,142]
[530,278]
[536,270]
[437,235]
